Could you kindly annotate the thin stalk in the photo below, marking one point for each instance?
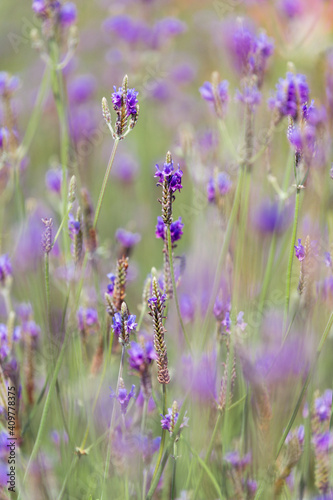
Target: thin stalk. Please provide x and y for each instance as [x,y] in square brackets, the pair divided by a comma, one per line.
[291,256]
[144,484]
[108,455]
[175,289]
[105,180]
[47,290]
[306,383]
[47,404]
[144,416]
[160,453]
[223,252]
[173,479]
[35,116]
[209,451]
[57,89]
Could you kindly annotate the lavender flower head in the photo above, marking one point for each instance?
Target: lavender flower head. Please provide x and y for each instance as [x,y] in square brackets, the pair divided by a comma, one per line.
[323,406]
[220,184]
[123,397]
[173,177]
[131,100]
[291,95]
[216,93]
[123,325]
[300,251]
[176,229]
[141,355]
[169,420]
[67,14]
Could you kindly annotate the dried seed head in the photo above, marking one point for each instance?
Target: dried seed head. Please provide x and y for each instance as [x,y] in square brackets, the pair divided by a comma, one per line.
[47,236]
[106,111]
[119,292]
[72,189]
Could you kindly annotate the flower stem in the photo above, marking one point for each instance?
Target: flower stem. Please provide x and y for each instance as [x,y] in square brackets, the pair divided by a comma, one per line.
[48,400]
[175,289]
[108,455]
[160,453]
[173,481]
[306,383]
[291,256]
[47,290]
[209,451]
[223,252]
[105,180]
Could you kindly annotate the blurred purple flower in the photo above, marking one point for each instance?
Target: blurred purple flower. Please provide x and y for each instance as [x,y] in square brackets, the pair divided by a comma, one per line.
[299,251]
[223,183]
[323,406]
[141,355]
[123,397]
[291,8]
[268,218]
[176,230]
[187,307]
[4,136]
[291,95]
[166,421]
[110,287]
[87,320]
[207,92]
[126,238]
[235,460]
[126,28]
[5,269]
[53,180]
[81,88]
[67,14]
[249,95]
[125,168]
[211,190]
[8,83]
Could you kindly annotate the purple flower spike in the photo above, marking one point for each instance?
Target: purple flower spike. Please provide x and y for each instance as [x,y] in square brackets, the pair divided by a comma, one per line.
[110,287]
[8,83]
[211,190]
[131,100]
[207,92]
[166,420]
[87,320]
[140,357]
[67,14]
[300,251]
[291,95]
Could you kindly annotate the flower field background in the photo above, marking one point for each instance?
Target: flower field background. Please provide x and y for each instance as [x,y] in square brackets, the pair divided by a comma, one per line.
[166,218]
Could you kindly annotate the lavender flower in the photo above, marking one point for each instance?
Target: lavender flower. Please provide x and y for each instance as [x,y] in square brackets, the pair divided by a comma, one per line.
[110,287]
[235,460]
[47,236]
[249,95]
[141,355]
[123,397]
[131,100]
[300,251]
[81,89]
[291,95]
[169,420]
[124,324]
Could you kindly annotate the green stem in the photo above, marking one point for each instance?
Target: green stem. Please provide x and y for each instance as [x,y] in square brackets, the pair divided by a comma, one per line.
[291,256]
[105,180]
[223,252]
[47,404]
[175,289]
[35,116]
[209,451]
[173,480]
[160,453]
[47,290]
[108,455]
